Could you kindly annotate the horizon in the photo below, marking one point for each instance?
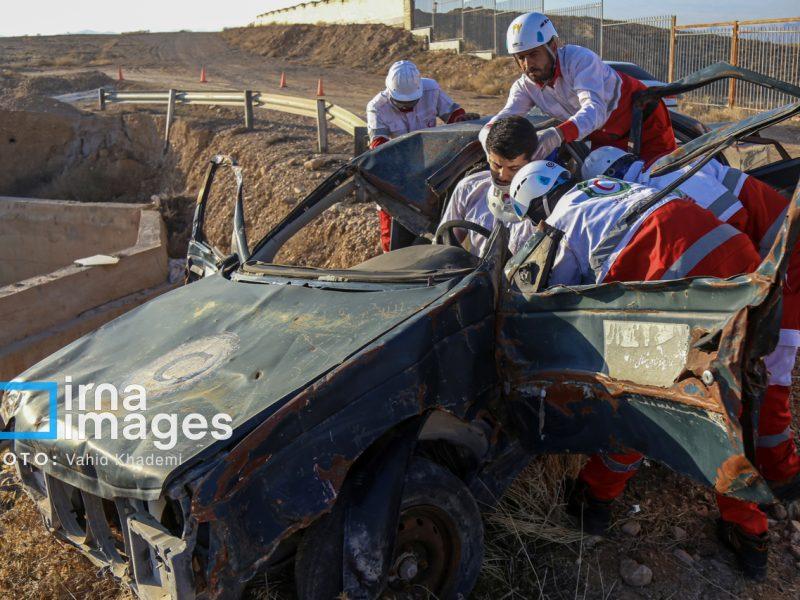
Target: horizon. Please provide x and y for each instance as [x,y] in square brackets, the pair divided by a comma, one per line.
[99,18]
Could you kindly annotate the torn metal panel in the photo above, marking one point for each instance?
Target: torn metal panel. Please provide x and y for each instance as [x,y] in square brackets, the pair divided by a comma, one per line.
[720,138]
[411,174]
[600,404]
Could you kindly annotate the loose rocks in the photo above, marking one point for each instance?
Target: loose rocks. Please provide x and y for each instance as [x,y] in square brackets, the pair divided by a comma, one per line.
[631,528]
[635,574]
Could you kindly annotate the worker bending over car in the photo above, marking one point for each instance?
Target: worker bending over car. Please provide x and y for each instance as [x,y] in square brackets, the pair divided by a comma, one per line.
[757,210]
[613,233]
[572,84]
[408,103]
[482,197]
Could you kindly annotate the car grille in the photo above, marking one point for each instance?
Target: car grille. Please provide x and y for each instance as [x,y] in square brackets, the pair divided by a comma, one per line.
[119,534]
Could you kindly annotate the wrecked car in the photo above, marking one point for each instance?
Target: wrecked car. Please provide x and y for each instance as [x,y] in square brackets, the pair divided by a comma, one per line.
[375,410]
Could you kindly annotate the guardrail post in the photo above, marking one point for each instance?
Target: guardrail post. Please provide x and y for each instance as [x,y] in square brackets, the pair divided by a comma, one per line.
[322,126]
[101,99]
[360,140]
[734,62]
[671,60]
[248,109]
[170,112]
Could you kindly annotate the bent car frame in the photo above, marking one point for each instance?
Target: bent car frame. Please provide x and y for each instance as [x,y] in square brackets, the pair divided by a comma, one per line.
[373,409]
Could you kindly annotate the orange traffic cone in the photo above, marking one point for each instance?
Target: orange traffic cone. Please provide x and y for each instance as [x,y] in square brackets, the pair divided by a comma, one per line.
[320,91]
[203,74]
[283,80]
[119,74]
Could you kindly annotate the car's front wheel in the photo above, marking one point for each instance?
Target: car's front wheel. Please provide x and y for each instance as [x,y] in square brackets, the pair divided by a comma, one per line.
[438,547]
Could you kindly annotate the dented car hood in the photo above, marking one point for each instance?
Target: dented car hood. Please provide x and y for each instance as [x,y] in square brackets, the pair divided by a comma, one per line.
[213,347]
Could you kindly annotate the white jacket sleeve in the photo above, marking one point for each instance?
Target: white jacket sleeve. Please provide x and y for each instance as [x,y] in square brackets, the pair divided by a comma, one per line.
[519,103]
[445,106]
[589,82]
[375,127]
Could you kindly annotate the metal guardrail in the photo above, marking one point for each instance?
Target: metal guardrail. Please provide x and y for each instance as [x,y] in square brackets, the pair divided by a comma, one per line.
[320,109]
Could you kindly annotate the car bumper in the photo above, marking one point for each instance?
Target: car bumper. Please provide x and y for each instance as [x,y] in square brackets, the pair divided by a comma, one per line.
[123,535]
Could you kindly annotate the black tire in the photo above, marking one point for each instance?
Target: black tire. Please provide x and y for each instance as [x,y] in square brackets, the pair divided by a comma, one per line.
[440,535]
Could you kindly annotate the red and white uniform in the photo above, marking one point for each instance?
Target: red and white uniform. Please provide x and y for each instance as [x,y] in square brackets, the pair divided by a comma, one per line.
[469,202]
[756,209]
[673,239]
[598,246]
[593,100]
[385,121]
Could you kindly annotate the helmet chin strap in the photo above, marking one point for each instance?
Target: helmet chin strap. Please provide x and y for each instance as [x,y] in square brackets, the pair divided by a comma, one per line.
[554,57]
[546,205]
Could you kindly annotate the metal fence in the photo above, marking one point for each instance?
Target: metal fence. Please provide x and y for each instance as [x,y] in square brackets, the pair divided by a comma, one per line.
[448,20]
[665,50]
[645,42]
[480,24]
[772,48]
[697,47]
[581,25]
[769,46]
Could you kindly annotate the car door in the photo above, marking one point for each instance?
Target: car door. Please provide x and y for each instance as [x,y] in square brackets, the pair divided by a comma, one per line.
[664,367]
[202,257]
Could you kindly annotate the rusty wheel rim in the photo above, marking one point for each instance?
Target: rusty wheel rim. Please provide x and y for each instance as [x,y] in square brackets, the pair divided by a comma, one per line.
[426,554]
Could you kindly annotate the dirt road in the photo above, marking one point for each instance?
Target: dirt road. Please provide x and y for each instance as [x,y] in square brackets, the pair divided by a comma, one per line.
[174,60]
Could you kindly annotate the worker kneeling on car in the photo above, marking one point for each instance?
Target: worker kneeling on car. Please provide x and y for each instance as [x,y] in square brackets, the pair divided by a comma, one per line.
[482,198]
[614,231]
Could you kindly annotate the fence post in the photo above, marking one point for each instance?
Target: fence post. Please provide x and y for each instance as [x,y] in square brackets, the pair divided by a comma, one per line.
[170,113]
[672,34]
[101,99]
[322,126]
[462,24]
[494,27]
[248,109]
[734,62]
[602,14]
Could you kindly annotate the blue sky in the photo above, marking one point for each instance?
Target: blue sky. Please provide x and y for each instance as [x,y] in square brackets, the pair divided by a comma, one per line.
[60,16]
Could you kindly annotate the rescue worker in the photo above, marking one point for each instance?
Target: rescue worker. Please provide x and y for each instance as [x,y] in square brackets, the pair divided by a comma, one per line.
[483,197]
[756,209]
[572,84]
[408,103]
[606,240]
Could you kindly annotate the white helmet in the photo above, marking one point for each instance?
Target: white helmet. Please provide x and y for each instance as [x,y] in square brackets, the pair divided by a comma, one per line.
[534,181]
[602,160]
[403,81]
[501,205]
[529,31]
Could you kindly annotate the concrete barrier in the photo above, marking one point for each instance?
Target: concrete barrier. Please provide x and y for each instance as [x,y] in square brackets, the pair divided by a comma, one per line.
[446,46]
[46,301]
